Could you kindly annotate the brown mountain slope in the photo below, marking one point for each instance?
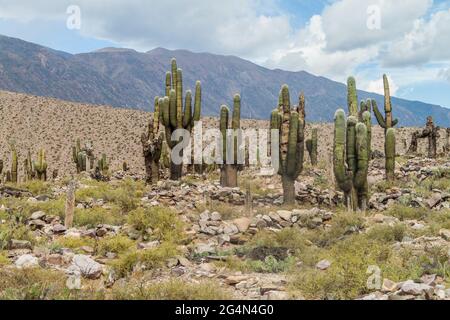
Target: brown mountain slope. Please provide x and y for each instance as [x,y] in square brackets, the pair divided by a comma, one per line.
[33,122]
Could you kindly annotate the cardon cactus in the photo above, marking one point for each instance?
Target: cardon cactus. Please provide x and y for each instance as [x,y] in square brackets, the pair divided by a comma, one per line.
[385,122]
[389,149]
[177,114]
[351,159]
[102,165]
[352,149]
[291,124]
[311,146]
[228,171]
[152,141]
[28,167]
[40,166]
[14,165]
[79,157]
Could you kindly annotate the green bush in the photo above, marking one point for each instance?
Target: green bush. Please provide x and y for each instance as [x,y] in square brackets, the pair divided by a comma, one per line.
[92,217]
[117,244]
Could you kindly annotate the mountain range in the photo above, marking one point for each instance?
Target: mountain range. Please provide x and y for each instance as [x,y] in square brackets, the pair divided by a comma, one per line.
[130,79]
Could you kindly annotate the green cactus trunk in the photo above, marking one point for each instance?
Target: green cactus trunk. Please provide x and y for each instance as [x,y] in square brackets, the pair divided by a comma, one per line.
[178,114]
[14,165]
[41,166]
[229,171]
[152,141]
[311,146]
[351,151]
[291,124]
[385,122]
[389,147]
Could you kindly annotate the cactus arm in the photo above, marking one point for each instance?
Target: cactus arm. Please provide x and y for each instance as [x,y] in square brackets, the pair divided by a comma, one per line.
[351,143]
[179,95]
[343,177]
[164,109]
[352,98]
[174,67]
[362,161]
[224,115]
[291,158]
[301,107]
[378,115]
[156,111]
[168,83]
[187,117]
[390,154]
[198,102]
[173,108]
[366,119]
[300,152]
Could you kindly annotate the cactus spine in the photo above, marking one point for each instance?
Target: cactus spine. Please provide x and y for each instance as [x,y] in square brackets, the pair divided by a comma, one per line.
[228,171]
[351,150]
[311,146]
[178,115]
[291,124]
[387,121]
[40,166]
[152,141]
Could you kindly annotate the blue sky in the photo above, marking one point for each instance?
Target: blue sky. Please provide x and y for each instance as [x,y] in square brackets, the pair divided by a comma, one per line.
[408,40]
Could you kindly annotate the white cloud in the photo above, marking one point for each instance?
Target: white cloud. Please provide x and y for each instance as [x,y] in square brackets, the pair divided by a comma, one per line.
[345,21]
[377,86]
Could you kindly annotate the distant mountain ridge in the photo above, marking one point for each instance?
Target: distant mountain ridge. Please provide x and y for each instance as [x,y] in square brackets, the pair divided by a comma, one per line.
[127,78]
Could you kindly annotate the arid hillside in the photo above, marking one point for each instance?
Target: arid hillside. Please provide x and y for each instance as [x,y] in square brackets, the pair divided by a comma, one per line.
[32,122]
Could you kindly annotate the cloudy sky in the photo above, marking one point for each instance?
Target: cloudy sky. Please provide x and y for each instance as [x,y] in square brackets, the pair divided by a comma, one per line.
[409,40]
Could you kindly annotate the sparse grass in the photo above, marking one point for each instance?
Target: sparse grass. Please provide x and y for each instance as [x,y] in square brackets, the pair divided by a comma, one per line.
[3,259]
[73,242]
[387,234]
[91,217]
[149,258]
[347,276]
[24,208]
[407,213]
[16,231]
[116,244]
[163,222]
[172,290]
[36,187]
[39,284]
[126,194]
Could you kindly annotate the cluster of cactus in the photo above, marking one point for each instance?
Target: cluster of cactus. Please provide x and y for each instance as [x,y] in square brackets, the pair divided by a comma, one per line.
[176,112]
[351,150]
[291,125]
[79,156]
[229,171]
[432,133]
[311,146]
[102,165]
[152,142]
[385,122]
[40,166]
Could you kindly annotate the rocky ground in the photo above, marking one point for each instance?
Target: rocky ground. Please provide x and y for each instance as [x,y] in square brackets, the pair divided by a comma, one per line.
[196,240]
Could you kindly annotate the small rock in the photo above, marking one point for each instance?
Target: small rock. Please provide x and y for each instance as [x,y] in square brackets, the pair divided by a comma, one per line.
[59,228]
[285,214]
[389,286]
[38,215]
[232,280]
[215,216]
[277,295]
[416,289]
[445,233]
[323,265]
[242,224]
[27,261]
[88,267]
[19,244]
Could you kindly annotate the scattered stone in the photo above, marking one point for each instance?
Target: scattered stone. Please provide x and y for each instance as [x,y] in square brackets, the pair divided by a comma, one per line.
[19,244]
[242,224]
[88,267]
[323,265]
[411,288]
[27,261]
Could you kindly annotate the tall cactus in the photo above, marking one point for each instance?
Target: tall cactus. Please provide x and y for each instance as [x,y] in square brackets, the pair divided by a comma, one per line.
[28,167]
[152,142]
[228,171]
[352,149]
[385,122]
[311,146]
[389,149]
[178,115]
[40,166]
[291,124]
[102,165]
[14,166]
[79,157]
